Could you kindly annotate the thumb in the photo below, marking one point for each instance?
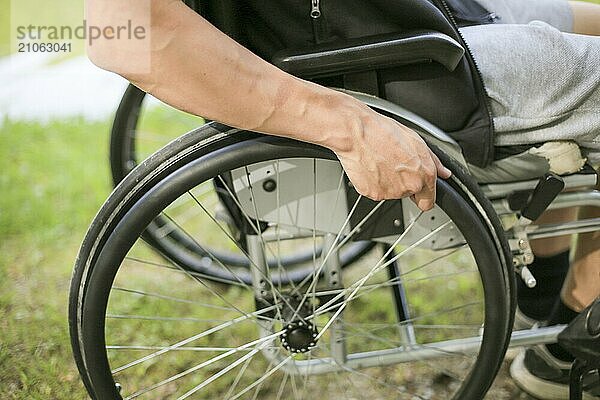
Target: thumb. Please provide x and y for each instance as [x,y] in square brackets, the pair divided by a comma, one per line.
[442,171]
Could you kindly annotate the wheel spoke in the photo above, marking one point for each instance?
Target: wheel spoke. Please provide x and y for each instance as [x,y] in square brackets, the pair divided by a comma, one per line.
[356,286]
[256,346]
[210,289]
[235,242]
[377,268]
[184,348]
[257,230]
[170,298]
[166,319]
[315,273]
[237,379]
[191,339]
[282,386]
[263,378]
[180,271]
[314,282]
[282,271]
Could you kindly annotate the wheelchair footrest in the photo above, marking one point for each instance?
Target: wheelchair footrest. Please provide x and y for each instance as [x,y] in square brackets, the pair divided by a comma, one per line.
[545,192]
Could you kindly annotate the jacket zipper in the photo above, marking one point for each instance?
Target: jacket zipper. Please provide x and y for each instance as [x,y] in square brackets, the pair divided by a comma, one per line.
[487,103]
[315,9]
[319,30]
[492,17]
[484,18]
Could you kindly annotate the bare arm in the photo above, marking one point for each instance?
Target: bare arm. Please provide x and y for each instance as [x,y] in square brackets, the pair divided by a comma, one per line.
[196,68]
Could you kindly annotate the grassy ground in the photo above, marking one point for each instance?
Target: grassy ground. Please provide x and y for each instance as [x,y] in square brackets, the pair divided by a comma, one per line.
[54,178]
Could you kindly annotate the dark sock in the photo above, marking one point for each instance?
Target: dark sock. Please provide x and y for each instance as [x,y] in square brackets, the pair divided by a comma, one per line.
[561,314]
[549,272]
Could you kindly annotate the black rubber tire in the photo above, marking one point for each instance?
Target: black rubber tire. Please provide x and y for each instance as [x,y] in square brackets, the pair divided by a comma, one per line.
[122,143]
[90,284]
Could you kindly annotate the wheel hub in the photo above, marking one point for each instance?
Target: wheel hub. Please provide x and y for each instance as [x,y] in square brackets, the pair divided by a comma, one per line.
[299,337]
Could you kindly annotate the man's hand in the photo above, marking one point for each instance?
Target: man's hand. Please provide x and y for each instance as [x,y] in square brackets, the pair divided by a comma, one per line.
[386,160]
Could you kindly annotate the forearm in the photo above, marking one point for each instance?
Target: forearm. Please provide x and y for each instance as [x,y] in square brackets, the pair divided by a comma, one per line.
[196,68]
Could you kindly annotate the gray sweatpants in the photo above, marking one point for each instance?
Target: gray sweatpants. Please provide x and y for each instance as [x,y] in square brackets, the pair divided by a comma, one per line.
[544,84]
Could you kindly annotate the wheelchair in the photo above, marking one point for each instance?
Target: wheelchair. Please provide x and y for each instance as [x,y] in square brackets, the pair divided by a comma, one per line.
[233,265]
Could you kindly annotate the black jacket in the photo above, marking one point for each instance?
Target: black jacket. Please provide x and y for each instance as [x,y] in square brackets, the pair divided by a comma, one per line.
[454,101]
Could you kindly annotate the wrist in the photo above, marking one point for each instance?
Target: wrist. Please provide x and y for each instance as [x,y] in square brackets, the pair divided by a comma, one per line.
[312,113]
[348,119]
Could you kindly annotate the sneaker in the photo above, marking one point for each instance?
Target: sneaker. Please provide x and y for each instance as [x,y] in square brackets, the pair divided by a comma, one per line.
[543,376]
[524,322]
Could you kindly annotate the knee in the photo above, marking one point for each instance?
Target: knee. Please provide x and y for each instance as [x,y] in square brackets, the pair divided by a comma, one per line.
[586,18]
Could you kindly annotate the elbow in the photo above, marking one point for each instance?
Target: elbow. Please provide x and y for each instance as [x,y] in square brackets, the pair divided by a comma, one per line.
[130,61]
[100,57]
[97,14]
[106,56]
[118,35]
[109,59]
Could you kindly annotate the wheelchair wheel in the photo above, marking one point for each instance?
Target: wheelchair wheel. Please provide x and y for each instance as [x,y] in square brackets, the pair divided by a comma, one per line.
[131,142]
[427,318]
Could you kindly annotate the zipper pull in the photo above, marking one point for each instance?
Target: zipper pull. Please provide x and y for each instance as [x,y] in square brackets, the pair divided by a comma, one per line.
[493,17]
[315,9]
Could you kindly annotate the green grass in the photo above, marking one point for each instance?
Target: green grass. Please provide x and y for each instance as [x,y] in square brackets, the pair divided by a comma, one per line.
[5,32]
[54,178]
